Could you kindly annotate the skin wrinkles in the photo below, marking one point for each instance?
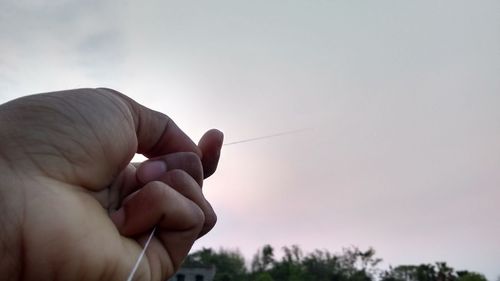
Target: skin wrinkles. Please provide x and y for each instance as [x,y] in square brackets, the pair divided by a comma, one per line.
[86,127]
[53,142]
[74,199]
[12,260]
[98,134]
[154,148]
[111,198]
[125,106]
[49,153]
[87,124]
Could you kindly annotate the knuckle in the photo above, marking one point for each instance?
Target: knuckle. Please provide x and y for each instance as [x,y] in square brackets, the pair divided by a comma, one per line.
[193,163]
[179,178]
[197,218]
[178,174]
[210,221]
[158,192]
[191,156]
[156,187]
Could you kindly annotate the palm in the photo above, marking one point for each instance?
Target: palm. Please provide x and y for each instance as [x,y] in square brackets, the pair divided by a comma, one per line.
[79,241]
[76,148]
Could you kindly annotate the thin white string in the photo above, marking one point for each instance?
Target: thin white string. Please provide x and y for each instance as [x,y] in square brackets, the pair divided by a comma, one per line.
[141,256]
[267,136]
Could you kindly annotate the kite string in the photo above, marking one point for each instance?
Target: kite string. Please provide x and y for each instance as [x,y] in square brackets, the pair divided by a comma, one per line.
[266,136]
[141,256]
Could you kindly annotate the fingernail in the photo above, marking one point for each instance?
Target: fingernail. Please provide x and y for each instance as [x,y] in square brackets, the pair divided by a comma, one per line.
[151,170]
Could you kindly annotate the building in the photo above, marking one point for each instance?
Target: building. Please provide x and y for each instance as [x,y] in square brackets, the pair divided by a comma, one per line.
[194,274]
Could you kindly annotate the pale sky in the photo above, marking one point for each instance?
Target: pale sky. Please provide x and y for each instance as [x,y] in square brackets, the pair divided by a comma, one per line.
[401,100]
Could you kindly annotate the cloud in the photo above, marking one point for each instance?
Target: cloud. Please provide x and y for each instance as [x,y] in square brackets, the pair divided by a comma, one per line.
[56,45]
[403,99]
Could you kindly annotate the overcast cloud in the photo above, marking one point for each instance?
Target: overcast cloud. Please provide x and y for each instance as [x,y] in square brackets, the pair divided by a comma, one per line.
[400,98]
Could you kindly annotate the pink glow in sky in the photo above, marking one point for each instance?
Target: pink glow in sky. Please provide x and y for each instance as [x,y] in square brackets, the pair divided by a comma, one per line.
[401,99]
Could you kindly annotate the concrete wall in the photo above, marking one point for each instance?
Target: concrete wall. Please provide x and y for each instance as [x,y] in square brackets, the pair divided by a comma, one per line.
[194,274]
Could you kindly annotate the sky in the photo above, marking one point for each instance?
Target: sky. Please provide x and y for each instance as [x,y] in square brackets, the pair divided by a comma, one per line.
[399,101]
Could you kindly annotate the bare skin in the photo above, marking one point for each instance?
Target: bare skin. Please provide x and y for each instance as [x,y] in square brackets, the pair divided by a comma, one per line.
[72,207]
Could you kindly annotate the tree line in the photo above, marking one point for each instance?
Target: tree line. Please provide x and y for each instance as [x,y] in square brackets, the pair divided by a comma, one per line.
[352,264]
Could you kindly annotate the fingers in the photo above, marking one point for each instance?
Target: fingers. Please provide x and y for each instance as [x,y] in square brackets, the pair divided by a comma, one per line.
[183,183]
[138,174]
[156,167]
[158,204]
[210,145]
[123,185]
[178,218]
[184,177]
[158,135]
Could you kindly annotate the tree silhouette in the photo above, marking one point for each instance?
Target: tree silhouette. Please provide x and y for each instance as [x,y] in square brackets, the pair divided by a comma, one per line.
[352,264]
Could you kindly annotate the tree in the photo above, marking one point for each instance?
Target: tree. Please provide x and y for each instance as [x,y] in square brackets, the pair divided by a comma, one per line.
[360,265]
[321,265]
[230,265]
[426,272]
[368,261]
[394,274]
[263,276]
[290,267]
[422,272]
[444,272]
[352,264]
[263,259]
[471,276]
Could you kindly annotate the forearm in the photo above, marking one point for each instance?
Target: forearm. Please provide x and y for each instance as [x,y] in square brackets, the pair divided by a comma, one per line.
[10,265]
[10,250]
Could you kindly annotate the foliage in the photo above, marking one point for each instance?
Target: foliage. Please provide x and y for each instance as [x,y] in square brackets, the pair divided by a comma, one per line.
[263,259]
[263,276]
[439,271]
[352,264]
[471,276]
[230,265]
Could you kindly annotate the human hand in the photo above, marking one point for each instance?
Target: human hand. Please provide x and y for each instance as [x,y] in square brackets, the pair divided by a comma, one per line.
[72,207]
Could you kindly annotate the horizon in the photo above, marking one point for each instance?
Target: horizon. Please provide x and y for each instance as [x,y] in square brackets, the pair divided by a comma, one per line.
[402,99]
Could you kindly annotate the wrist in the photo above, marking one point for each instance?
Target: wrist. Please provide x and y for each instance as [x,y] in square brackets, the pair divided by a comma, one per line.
[10,225]
[10,261]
